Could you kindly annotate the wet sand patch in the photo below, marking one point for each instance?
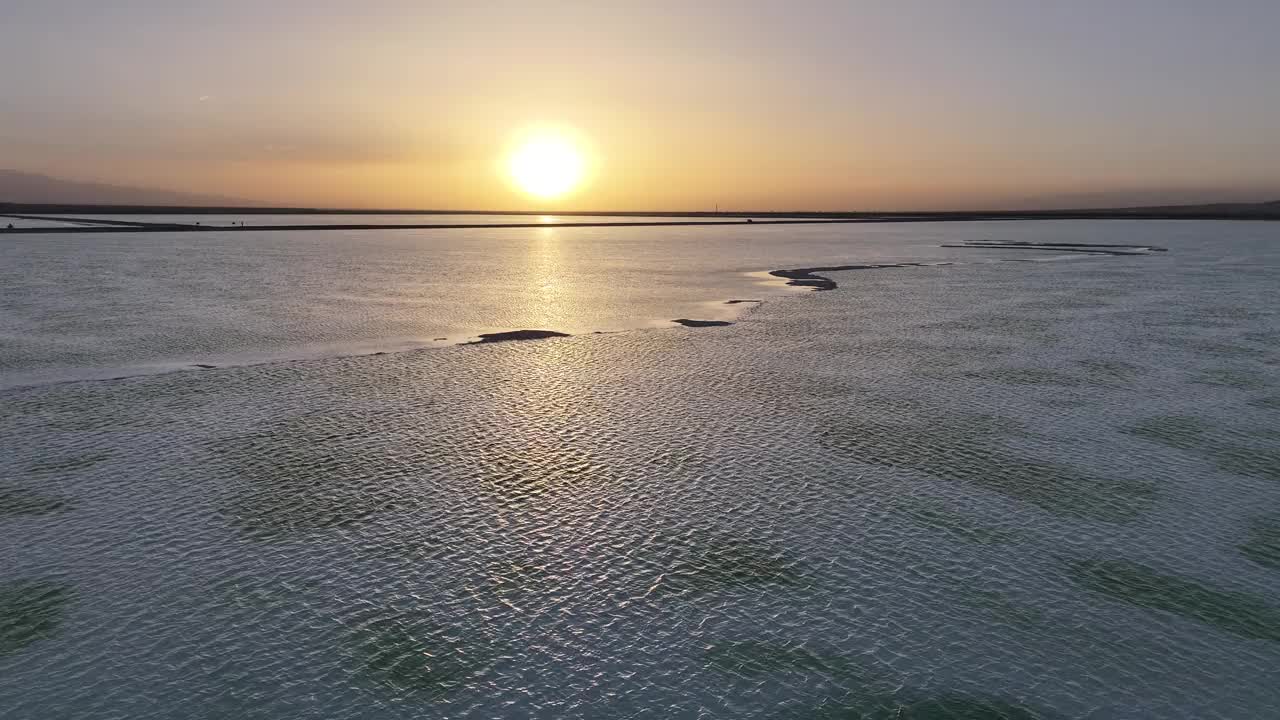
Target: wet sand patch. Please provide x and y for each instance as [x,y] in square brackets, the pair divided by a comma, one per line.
[1093,248]
[701,323]
[516,335]
[808,277]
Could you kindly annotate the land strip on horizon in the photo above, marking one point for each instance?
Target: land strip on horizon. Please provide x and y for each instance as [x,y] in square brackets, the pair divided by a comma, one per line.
[71,213]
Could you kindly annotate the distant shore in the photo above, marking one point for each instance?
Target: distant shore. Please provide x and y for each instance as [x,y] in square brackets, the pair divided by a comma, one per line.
[75,213]
[140,227]
[1214,211]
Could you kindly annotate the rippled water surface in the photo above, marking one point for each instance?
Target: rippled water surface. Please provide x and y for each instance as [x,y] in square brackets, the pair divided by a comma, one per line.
[986,489]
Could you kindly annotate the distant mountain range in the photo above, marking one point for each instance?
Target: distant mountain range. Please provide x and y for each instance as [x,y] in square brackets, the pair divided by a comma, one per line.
[35,193]
[17,187]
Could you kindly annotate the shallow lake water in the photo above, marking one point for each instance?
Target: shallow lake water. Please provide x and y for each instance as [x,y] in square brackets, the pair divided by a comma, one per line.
[987,489]
[119,304]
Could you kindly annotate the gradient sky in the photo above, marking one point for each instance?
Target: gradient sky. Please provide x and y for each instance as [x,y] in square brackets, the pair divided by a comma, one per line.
[762,105]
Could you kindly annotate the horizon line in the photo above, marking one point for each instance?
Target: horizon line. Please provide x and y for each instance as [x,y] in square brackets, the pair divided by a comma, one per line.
[1263,207]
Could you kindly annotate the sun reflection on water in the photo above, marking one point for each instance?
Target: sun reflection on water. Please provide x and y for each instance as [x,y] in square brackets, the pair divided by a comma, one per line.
[547,273]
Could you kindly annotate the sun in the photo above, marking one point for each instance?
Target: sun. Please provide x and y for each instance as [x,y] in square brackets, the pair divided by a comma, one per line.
[547,164]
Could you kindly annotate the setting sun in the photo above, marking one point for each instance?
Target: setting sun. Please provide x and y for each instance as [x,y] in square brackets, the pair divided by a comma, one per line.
[547,164]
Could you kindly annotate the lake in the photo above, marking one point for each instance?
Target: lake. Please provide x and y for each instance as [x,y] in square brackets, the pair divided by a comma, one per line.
[1004,482]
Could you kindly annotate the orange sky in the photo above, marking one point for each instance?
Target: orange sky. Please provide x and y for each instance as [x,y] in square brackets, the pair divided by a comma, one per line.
[839,105]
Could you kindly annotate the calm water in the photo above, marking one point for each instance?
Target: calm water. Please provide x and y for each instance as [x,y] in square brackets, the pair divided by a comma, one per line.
[979,490]
[111,305]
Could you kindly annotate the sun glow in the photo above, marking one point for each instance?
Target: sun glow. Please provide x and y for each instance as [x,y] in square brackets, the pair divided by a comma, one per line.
[547,164]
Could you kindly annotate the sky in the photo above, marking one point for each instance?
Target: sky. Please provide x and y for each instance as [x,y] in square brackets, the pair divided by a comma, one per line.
[679,105]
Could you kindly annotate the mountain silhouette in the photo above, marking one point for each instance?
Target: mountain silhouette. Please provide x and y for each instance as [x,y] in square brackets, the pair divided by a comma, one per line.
[19,187]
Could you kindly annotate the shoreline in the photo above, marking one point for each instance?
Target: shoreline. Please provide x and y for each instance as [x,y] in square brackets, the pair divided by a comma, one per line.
[93,226]
[119,226]
[808,277]
[1203,211]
